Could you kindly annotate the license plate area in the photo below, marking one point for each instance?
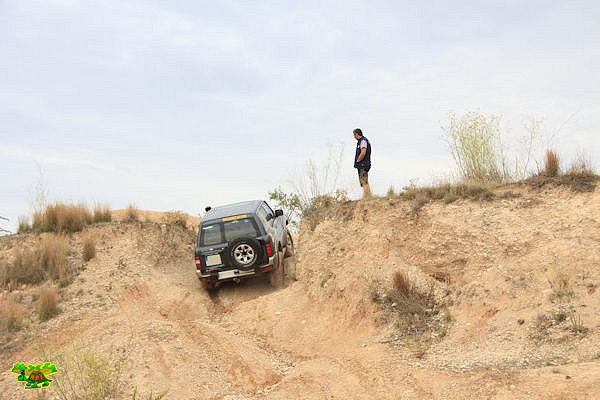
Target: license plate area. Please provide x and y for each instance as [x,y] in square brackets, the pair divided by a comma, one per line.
[228,274]
[215,259]
[233,273]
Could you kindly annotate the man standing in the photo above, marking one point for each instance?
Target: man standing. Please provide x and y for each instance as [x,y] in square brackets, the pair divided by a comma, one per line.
[362,161]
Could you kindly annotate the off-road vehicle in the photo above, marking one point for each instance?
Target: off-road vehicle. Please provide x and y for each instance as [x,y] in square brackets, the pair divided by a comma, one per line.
[242,240]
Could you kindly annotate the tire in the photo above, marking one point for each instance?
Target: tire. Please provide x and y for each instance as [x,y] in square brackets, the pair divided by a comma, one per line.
[276,276]
[245,253]
[209,286]
[289,246]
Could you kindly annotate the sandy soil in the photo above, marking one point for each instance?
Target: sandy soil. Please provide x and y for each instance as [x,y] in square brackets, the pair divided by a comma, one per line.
[322,335]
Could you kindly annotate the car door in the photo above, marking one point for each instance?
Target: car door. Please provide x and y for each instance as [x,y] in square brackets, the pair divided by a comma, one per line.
[278,224]
[271,222]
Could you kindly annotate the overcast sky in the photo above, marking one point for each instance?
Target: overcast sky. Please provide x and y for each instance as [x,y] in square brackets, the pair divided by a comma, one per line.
[180,104]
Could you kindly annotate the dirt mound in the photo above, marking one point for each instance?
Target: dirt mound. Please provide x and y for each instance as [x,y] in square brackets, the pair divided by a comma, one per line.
[168,217]
[502,298]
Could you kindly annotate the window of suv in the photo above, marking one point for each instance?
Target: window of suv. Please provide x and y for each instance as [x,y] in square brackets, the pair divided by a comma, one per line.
[239,228]
[211,234]
[267,212]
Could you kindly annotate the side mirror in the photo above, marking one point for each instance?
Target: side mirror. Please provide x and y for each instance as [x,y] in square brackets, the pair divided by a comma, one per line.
[278,213]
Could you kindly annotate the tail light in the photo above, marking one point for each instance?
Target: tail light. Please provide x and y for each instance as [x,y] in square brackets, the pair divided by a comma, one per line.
[198,263]
[269,250]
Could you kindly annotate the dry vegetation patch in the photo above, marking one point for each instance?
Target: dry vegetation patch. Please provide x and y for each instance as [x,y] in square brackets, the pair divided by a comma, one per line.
[551,164]
[577,182]
[445,191]
[175,217]
[563,320]
[47,302]
[132,213]
[11,315]
[102,213]
[53,257]
[419,318]
[89,247]
[24,268]
[580,176]
[64,218]
[89,373]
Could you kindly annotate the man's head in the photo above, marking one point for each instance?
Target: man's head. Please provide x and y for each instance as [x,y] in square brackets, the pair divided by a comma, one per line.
[357,133]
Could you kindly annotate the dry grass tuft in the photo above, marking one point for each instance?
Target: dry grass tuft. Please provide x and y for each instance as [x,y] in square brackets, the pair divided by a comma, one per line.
[24,268]
[11,315]
[582,166]
[551,164]
[53,257]
[132,213]
[91,374]
[402,284]
[89,248]
[48,302]
[37,221]
[560,284]
[61,217]
[102,213]
[446,192]
[419,319]
[24,225]
[3,272]
[65,218]
[175,217]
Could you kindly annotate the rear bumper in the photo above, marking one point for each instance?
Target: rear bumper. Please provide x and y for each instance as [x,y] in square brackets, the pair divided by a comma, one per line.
[231,274]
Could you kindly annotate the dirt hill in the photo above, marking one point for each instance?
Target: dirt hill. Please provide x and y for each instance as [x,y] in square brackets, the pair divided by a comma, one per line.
[489,299]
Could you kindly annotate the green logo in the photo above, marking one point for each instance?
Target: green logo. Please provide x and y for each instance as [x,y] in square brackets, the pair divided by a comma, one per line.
[34,376]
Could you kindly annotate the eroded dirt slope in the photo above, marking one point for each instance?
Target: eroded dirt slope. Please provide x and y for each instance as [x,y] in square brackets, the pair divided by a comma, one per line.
[491,265]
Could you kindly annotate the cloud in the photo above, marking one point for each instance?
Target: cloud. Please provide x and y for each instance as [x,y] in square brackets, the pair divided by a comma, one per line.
[215,101]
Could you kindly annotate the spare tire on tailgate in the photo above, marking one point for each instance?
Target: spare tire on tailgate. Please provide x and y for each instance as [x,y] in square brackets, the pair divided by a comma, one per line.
[245,253]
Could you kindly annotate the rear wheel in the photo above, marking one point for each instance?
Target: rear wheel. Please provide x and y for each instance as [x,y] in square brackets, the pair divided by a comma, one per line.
[209,286]
[289,246]
[277,274]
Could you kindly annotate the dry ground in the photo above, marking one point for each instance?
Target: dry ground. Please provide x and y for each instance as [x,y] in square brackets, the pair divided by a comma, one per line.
[491,263]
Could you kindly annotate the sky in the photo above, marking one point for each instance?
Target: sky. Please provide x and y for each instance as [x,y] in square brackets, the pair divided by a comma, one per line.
[175,105]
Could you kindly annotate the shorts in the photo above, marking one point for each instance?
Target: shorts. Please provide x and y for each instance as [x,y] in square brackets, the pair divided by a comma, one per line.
[363,175]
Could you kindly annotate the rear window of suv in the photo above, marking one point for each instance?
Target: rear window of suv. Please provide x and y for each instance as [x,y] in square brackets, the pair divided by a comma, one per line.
[239,228]
[213,233]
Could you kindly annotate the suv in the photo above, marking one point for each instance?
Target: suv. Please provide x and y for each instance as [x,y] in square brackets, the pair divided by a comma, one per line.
[242,240]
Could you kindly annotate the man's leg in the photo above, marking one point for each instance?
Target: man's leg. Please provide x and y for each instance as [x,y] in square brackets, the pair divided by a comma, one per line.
[366,191]
[363,178]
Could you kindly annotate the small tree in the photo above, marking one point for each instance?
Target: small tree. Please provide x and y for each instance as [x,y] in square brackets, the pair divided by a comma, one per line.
[315,187]
[290,202]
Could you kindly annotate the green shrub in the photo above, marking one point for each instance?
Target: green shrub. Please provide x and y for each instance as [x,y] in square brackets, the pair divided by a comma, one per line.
[474,143]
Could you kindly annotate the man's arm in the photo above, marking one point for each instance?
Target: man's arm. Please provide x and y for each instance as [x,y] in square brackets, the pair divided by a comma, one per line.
[361,156]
